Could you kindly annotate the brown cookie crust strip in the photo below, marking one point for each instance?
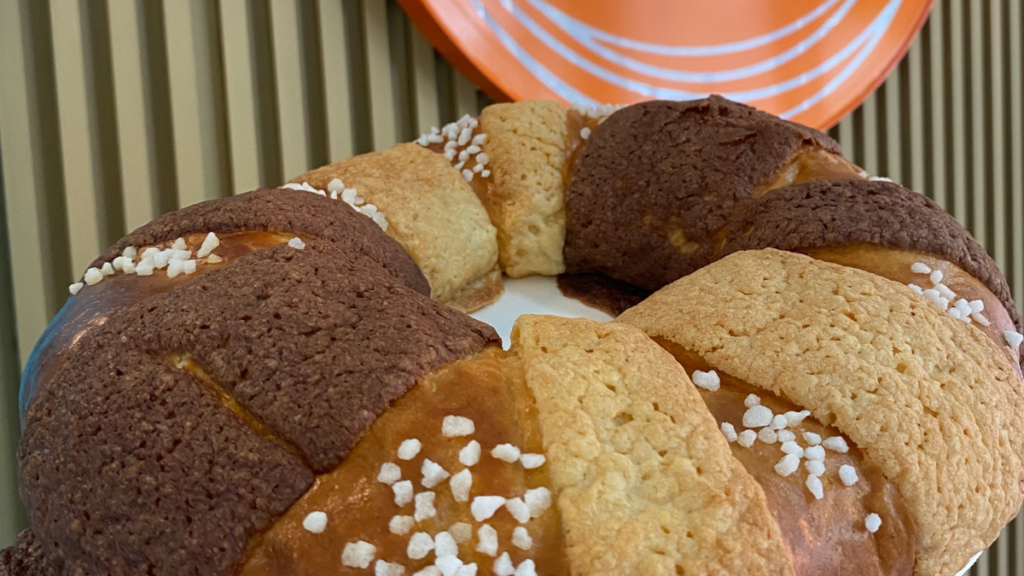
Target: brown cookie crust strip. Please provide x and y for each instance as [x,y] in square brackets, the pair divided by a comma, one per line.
[656,181]
[823,214]
[131,464]
[297,212]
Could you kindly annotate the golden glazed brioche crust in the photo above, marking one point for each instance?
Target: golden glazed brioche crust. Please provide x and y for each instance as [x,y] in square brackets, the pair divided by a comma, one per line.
[645,482]
[433,213]
[930,399]
[526,146]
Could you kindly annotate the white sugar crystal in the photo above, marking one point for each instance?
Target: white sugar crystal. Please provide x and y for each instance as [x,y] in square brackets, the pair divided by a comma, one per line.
[964,307]
[381,221]
[752,400]
[814,453]
[707,380]
[424,506]
[179,244]
[463,156]
[526,568]
[920,268]
[757,417]
[429,571]
[813,484]
[470,454]
[521,538]
[161,259]
[746,438]
[944,291]
[915,288]
[473,149]
[466,570]
[935,276]
[368,209]
[932,294]
[793,448]
[538,499]
[977,305]
[767,435]
[503,566]
[401,525]
[403,492]
[358,554]
[506,453]
[480,139]
[485,173]
[450,154]
[954,313]
[179,254]
[145,268]
[460,484]
[420,544]
[130,252]
[461,531]
[812,439]
[408,449]
[478,168]
[787,465]
[151,252]
[848,474]
[518,509]
[980,319]
[468,175]
[174,268]
[93,276]
[779,421]
[585,132]
[75,288]
[433,473]
[454,426]
[214,259]
[335,185]
[836,444]
[210,243]
[729,431]
[460,165]
[118,263]
[188,267]
[786,436]
[449,565]
[389,473]
[531,461]
[814,467]
[465,136]
[487,540]
[348,195]
[873,522]
[795,418]
[382,568]
[445,545]
[107,269]
[1014,339]
[297,243]
[483,507]
[315,522]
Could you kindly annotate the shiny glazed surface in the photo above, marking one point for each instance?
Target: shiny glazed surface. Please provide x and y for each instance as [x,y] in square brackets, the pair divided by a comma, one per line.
[491,391]
[827,536]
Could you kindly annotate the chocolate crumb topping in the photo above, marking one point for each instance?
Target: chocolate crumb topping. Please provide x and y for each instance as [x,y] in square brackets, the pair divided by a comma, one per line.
[188,422]
[656,181]
[825,214]
[281,210]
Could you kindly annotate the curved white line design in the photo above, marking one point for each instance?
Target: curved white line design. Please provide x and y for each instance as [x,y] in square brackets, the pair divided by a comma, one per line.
[602,43]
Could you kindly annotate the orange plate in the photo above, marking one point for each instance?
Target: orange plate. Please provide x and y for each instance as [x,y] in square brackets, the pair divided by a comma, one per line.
[812,61]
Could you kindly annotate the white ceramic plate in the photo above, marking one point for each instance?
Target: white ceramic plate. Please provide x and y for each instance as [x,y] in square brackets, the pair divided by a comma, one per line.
[540,295]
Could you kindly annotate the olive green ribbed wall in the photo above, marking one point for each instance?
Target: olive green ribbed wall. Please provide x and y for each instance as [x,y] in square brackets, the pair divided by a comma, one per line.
[114,111]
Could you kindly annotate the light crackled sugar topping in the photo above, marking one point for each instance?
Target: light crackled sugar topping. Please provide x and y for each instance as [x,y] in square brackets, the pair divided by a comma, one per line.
[444,545]
[463,146]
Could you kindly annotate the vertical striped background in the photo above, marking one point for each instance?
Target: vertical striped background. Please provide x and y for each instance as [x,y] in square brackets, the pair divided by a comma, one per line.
[115,111]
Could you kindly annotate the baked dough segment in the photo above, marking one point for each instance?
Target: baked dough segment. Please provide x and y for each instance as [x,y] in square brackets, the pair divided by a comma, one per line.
[931,400]
[433,213]
[644,481]
[526,147]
